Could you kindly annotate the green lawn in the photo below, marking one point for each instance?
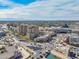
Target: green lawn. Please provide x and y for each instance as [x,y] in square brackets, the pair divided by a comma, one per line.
[24,37]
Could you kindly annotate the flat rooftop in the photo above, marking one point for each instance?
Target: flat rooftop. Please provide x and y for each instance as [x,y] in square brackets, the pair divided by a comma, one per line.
[9,52]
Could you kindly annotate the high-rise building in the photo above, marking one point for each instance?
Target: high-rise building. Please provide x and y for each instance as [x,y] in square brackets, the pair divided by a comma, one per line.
[30,30]
[33,31]
[22,29]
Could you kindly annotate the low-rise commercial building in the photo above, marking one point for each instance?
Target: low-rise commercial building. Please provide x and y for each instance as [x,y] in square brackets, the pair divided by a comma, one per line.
[44,38]
[26,52]
[63,30]
[73,39]
[74,53]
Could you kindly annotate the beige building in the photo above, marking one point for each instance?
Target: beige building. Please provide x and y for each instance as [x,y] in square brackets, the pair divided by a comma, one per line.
[26,52]
[22,29]
[29,30]
[46,30]
[33,31]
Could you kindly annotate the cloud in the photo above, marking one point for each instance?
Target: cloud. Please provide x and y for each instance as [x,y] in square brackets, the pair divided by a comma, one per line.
[42,10]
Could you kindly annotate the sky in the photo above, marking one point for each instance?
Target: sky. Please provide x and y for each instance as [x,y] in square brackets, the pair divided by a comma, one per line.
[39,10]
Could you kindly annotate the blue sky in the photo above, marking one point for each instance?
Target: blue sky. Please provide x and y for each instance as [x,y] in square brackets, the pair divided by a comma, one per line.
[24,2]
[39,10]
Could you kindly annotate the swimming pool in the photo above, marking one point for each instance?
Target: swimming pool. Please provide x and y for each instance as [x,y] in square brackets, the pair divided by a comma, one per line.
[52,57]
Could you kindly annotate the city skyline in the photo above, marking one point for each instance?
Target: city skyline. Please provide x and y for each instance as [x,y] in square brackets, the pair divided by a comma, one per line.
[17,10]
